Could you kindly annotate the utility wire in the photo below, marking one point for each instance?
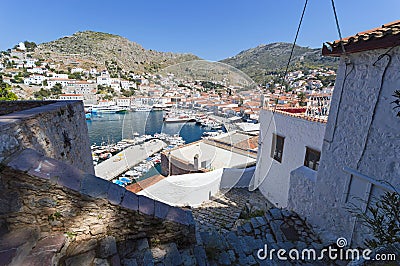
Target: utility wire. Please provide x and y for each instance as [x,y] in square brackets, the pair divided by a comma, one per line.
[338,27]
[284,78]
[295,39]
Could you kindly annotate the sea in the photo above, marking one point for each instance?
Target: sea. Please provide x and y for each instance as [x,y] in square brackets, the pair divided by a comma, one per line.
[111,128]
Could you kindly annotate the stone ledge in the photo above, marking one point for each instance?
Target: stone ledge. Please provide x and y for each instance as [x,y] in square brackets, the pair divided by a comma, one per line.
[130,201]
[146,205]
[40,166]
[95,187]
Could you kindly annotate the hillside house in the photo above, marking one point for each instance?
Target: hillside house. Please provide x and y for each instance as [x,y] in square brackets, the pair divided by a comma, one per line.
[287,141]
[361,147]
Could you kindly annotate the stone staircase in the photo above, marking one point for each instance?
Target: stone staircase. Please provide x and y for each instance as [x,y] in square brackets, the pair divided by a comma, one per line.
[226,237]
[26,247]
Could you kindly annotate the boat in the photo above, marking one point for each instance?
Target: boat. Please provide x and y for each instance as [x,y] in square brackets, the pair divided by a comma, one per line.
[122,111]
[179,119]
[109,109]
[142,109]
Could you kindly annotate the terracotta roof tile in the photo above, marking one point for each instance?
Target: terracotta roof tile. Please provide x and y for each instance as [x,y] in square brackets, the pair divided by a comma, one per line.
[139,186]
[388,35]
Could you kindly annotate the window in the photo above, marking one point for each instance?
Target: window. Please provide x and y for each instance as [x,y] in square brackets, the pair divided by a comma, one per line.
[277,147]
[312,158]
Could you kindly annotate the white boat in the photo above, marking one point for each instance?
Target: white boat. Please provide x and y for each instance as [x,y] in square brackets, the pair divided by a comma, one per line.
[132,173]
[179,119]
[142,109]
[110,109]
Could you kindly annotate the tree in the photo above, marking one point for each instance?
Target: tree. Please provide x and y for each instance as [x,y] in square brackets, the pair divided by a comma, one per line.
[382,218]
[56,89]
[302,98]
[42,93]
[5,92]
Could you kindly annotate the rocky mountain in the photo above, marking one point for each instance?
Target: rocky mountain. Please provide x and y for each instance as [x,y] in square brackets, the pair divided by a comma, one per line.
[88,49]
[267,59]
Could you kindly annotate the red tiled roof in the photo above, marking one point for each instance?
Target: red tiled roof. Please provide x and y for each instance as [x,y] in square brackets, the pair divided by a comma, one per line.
[388,35]
[139,186]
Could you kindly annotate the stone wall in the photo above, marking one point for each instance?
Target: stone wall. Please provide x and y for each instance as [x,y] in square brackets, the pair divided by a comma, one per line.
[55,129]
[363,134]
[56,197]
[8,107]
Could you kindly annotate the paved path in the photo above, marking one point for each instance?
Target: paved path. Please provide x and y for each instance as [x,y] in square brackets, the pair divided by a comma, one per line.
[128,158]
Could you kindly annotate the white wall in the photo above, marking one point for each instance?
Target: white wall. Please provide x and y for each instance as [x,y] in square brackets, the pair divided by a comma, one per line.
[361,118]
[272,177]
[185,190]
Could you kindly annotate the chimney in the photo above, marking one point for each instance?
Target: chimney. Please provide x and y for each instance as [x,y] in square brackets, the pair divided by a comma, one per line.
[196,162]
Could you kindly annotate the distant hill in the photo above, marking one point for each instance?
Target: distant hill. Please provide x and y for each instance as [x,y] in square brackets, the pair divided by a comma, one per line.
[89,48]
[267,59]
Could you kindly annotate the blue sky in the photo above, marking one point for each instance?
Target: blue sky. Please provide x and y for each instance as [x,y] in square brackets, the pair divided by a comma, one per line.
[211,29]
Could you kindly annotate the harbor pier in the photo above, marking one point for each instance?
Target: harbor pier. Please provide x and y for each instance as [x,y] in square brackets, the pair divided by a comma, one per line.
[126,159]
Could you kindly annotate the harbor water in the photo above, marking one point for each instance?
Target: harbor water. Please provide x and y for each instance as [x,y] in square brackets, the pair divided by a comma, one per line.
[111,128]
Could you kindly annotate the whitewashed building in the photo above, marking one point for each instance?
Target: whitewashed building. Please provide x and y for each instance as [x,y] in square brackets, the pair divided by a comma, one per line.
[81,87]
[59,76]
[53,81]
[361,145]
[71,97]
[287,140]
[34,80]
[123,102]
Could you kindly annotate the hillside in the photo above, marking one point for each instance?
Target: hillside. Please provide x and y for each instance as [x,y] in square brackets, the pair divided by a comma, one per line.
[88,49]
[267,59]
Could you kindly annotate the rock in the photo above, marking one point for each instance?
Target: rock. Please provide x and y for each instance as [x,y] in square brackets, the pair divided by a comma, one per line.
[286,245]
[251,260]
[107,247]
[268,216]
[254,222]
[231,254]
[276,230]
[97,229]
[261,220]
[286,213]
[158,254]
[200,255]
[245,246]
[81,259]
[243,260]
[187,258]
[126,248]
[247,228]
[100,262]
[224,259]
[173,256]
[148,258]
[129,262]
[142,244]
[115,260]
[270,239]
[276,213]
[47,202]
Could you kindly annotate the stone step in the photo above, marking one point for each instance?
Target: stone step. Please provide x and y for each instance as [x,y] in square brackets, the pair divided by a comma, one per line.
[16,245]
[45,250]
